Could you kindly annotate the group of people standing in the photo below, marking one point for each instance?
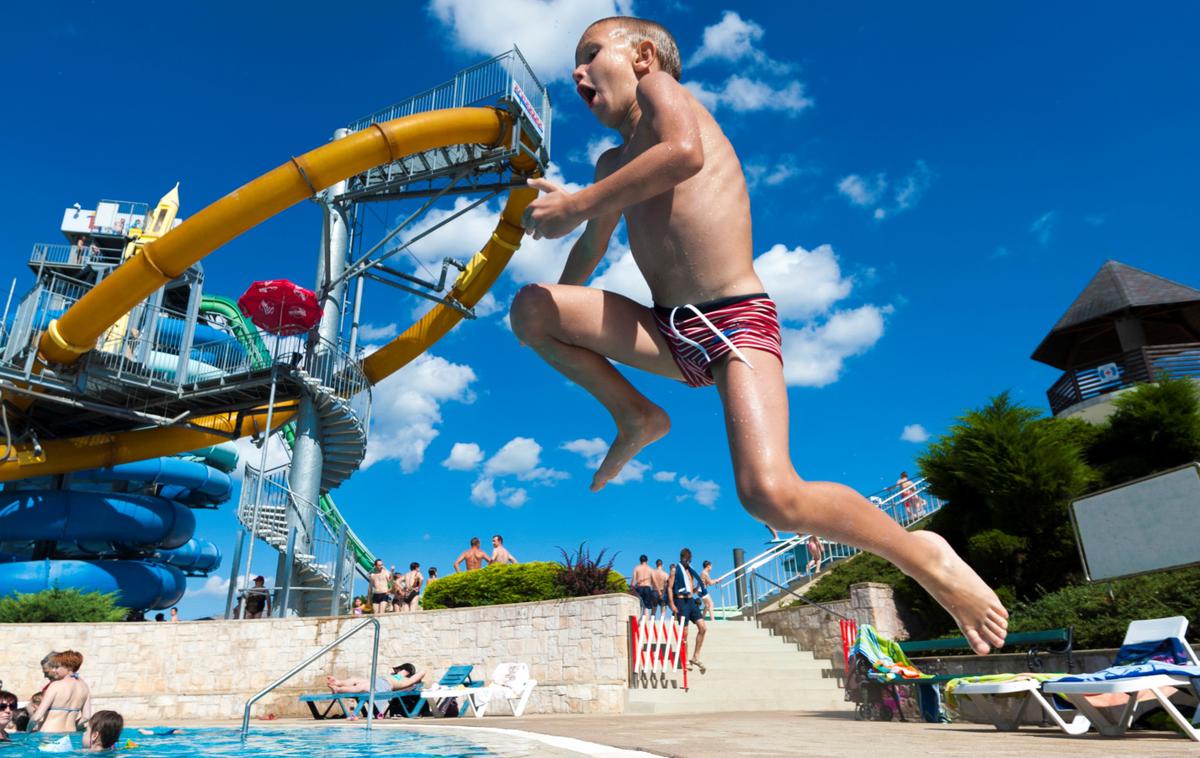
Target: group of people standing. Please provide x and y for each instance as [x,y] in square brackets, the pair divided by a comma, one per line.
[393,592]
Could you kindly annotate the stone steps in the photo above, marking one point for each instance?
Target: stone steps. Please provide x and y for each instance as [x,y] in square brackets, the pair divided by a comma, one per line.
[747,669]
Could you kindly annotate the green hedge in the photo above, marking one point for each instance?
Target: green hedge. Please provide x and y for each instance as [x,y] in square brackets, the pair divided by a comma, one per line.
[1100,612]
[495,585]
[55,605]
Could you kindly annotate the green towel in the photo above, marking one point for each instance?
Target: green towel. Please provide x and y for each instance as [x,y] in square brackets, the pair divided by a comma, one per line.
[953,684]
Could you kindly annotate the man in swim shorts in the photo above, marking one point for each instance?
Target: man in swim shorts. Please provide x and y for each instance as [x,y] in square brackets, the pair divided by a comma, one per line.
[687,591]
[679,185]
[379,581]
[660,584]
[643,585]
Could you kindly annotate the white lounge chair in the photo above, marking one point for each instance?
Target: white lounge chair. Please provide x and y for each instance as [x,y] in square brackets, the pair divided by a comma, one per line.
[1114,721]
[1009,703]
[509,682]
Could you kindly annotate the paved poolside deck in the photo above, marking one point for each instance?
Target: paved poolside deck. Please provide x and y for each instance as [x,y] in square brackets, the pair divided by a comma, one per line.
[819,735]
[822,735]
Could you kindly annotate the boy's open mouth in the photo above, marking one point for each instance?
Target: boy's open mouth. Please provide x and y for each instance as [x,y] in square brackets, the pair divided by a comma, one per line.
[587,93]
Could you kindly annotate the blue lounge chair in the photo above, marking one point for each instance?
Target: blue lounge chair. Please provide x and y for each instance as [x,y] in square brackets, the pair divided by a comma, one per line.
[413,702]
[339,700]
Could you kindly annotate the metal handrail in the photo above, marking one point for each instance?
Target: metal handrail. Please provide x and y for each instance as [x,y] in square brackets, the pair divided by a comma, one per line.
[296,669]
[756,576]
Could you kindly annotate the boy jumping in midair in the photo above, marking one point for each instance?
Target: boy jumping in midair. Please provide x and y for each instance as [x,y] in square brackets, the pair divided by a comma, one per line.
[680,187]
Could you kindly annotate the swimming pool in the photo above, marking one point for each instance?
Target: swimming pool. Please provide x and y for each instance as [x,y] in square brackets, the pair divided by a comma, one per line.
[323,742]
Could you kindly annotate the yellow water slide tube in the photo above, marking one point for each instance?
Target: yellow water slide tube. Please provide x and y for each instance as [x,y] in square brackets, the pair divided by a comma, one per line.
[162,260]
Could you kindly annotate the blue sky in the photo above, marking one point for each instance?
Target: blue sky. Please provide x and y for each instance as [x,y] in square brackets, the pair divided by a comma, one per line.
[931,187]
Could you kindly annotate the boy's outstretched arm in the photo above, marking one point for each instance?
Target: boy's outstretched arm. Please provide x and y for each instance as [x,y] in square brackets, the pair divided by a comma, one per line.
[676,156]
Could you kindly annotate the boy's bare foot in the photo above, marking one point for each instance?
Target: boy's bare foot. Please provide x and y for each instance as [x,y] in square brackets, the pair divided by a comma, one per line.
[955,585]
[331,683]
[633,434]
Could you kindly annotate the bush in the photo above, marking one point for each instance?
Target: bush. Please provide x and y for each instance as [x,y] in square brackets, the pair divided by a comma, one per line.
[57,605]
[510,583]
[1100,612]
[1154,427]
[580,575]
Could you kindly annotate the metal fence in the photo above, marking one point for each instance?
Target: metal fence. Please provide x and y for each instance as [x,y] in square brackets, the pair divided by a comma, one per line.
[487,83]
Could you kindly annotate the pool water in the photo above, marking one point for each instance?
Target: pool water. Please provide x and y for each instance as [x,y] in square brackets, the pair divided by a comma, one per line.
[324,742]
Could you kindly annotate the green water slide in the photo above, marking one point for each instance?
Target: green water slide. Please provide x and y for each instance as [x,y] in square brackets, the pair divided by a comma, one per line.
[247,333]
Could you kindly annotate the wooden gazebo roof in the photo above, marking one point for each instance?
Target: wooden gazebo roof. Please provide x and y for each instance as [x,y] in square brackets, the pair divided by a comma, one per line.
[1168,311]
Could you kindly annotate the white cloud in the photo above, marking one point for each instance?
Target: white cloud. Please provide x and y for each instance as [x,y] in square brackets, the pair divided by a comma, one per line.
[464,456]
[862,191]
[884,197]
[545,30]
[406,409]
[803,283]
[213,586]
[623,277]
[598,146]
[518,456]
[514,497]
[735,39]
[813,355]
[746,95]
[483,492]
[370,332]
[592,450]
[703,491]
[634,471]
[664,476]
[774,172]
[1043,227]
[914,433]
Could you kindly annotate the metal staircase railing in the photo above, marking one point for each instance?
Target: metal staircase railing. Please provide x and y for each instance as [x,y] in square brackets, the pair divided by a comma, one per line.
[790,562]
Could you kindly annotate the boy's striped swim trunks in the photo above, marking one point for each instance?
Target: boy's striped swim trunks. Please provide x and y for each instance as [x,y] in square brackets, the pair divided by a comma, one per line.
[700,334]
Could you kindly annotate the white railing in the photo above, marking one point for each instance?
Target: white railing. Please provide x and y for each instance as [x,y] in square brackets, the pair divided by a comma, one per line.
[802,556]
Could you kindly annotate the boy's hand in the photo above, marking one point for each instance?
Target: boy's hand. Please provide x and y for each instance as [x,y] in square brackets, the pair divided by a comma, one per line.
[553,214]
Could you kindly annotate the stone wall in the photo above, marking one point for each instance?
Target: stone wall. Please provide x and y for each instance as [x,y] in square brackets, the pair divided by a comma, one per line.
[577,649]
[817,630]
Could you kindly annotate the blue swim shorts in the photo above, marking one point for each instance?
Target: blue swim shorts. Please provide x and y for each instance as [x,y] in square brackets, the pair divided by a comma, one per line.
[688,609]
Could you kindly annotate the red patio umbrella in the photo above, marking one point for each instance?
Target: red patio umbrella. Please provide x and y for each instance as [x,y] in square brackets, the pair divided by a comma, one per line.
[281,307]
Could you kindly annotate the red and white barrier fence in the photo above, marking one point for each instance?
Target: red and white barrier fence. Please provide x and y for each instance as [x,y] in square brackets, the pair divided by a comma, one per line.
[658,647]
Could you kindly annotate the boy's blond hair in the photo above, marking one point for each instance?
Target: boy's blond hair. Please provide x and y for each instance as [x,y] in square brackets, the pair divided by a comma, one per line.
[638,30]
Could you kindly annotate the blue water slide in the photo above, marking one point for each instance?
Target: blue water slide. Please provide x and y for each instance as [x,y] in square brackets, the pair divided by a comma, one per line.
[198,556]
[209,344]
[72,515]
[139,584]
[192,482]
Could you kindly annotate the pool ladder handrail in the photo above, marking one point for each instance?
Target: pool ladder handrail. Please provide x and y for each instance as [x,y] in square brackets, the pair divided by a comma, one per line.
[296,669]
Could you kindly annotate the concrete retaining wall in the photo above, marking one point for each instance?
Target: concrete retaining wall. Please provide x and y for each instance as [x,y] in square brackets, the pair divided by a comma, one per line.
[577,649]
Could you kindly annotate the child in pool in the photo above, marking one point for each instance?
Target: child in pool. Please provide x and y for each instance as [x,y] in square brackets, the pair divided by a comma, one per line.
[103,730]
[679,184]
